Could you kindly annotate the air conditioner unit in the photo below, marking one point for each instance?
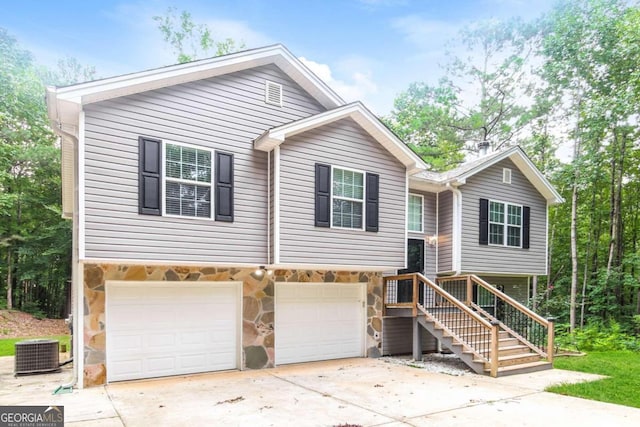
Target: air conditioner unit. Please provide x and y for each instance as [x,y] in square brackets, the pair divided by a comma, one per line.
[37,356]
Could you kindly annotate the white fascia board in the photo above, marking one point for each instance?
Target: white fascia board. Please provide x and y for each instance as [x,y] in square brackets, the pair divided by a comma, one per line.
[128,84]
[361,115]
[332,267]
[526,166]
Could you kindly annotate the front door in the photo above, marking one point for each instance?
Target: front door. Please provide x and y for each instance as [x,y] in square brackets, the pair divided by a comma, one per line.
[415,264]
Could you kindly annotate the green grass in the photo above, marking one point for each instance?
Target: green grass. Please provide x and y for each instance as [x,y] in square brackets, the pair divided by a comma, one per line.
[7,346]
[623,368]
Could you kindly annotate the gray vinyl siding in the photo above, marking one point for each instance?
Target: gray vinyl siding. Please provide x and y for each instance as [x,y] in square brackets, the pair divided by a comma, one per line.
[429,229]
[445,231]
[224,113]
[397,337]
[342,144]
[516,287]
[497,259]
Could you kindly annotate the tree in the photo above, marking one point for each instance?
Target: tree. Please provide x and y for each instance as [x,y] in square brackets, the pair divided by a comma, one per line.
[189,40]
[425,118]
[35,242]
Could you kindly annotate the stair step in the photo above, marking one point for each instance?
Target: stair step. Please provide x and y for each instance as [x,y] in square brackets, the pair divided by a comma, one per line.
[523,368]
[518,359]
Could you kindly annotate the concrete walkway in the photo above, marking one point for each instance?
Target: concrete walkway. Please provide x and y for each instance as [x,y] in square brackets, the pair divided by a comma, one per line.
[365,392]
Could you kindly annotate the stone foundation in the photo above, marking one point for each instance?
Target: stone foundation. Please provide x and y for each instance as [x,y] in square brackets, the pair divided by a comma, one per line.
[258,335]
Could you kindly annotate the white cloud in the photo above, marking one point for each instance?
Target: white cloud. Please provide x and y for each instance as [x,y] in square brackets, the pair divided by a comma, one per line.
[360,82]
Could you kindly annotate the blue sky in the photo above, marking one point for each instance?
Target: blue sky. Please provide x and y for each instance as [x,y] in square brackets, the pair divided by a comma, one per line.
[364,49]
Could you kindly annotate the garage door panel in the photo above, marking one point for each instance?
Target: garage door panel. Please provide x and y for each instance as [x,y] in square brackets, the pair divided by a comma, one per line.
[318,322]
[169,329]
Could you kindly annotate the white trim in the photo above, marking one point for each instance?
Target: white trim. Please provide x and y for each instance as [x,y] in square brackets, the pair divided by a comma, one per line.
[406,216]
[505,224]
[348,199]
[276,205]
[269,224]
[128,84]
[421,212]
[456,250]
[81,185]
[78,325]
[546,239]
[435,267]
[361,115]
[163,160]
[333,267]
[168,262]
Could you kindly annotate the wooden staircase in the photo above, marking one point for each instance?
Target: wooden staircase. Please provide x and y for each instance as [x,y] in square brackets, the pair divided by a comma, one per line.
[514,357]
[513,341]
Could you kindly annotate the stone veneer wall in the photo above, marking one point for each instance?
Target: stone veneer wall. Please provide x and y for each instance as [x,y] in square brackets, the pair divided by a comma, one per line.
[257,306]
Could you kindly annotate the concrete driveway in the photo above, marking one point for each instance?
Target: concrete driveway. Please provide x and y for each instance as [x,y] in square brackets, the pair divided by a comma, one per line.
[367,392]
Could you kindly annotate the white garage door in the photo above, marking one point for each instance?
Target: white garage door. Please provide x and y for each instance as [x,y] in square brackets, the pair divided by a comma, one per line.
[156,329]
[318,322]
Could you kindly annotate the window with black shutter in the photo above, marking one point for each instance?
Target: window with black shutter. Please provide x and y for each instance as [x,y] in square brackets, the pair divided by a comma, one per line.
[504,224]
[224,187]
[149,176]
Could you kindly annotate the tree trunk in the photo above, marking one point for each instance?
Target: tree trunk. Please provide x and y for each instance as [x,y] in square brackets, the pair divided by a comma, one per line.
[574,256]
[9,279]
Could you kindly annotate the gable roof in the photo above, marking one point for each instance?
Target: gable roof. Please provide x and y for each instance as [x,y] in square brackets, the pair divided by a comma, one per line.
[64,102]
[361,115]
[516,154]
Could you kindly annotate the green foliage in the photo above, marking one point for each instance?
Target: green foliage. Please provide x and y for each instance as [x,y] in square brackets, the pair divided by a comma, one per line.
[425,117]
[189,40]
[33,308]
[8,345]
[597,336]
[622,368]
[35,242]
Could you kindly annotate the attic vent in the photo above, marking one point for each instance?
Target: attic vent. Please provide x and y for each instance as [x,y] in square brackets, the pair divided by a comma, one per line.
[33,356]
[506,175]
[273,93]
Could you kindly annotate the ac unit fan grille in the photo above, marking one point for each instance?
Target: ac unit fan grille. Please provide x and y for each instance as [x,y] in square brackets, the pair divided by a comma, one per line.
[35,356]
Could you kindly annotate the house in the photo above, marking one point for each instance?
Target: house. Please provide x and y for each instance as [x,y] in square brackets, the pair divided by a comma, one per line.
[236,213]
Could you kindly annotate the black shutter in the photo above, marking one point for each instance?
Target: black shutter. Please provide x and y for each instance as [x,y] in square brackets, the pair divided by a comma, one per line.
[323,195]
[224,187]
[149,178]
[526,220]
[484,221]
[373,181]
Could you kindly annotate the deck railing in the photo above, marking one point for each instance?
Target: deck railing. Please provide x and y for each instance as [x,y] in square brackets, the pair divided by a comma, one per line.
[517,319]
[414,291]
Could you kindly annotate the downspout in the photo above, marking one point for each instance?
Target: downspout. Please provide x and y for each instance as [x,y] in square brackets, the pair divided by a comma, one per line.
[74,266]
[270,227]
[456,233]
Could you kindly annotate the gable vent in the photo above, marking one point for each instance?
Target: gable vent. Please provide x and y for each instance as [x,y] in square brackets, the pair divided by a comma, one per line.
[273,93]
[506,175]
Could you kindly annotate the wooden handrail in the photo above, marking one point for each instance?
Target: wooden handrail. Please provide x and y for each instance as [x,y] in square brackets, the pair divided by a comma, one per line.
[532,314]
[446,295]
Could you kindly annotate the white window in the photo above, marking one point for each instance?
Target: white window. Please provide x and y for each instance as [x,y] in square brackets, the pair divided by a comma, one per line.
[416,208]
[347,198]
[505,224]
[187,181]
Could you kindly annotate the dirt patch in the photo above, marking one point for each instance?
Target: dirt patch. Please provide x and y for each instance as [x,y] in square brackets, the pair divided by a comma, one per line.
[16,324]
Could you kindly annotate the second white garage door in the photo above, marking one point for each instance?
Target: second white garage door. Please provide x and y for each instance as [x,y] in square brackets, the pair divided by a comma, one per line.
[319,321]
[156,329]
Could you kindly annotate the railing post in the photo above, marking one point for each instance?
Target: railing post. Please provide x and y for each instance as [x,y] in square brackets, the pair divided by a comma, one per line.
[469,291]
[415,295]
[550,339]
[384,296]
[494,351]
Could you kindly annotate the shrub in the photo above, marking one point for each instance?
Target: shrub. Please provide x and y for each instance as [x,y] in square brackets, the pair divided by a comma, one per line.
[33,309]
[596,336]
